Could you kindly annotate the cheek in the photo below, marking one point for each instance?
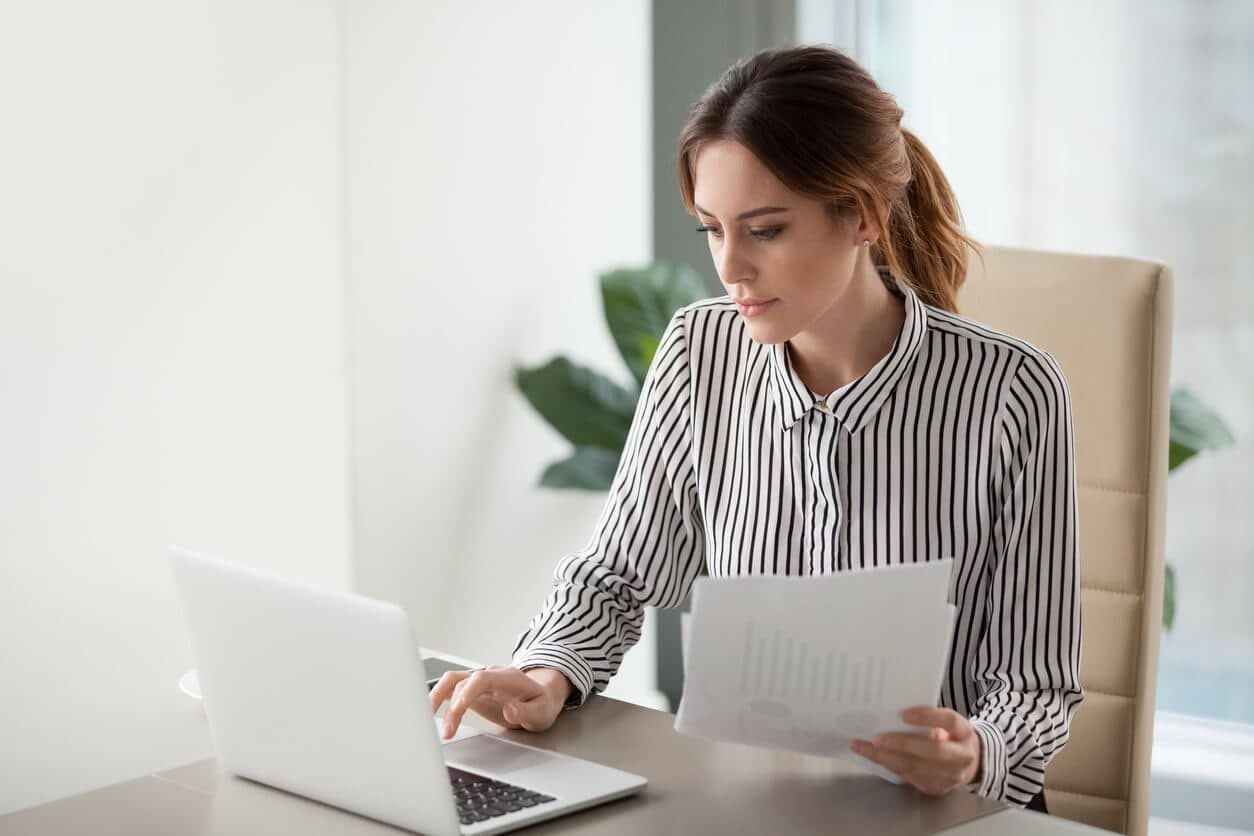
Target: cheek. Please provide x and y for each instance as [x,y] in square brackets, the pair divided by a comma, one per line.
[820,275]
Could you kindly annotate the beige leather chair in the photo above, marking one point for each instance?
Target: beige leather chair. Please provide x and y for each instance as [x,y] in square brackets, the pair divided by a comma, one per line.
[1108,323]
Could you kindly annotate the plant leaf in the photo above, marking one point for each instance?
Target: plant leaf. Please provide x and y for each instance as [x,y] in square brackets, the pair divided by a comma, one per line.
[586,407]
[639,303]
[1169,597]
[648,347]
[588,468]
[1194,427]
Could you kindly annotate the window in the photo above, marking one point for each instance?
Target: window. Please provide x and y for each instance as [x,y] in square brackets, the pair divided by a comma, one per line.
[1123,129]
[1131,134]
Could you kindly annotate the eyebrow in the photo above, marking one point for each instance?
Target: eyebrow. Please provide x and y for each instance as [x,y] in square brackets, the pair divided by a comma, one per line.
[752,213]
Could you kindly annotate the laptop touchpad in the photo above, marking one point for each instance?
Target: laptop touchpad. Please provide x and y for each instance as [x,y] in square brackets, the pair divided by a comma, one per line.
[487,753]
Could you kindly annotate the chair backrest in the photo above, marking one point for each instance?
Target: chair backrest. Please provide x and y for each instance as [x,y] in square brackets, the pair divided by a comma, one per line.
[1107,321]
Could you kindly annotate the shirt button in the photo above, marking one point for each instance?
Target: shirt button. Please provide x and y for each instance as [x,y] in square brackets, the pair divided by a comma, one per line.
[823,407]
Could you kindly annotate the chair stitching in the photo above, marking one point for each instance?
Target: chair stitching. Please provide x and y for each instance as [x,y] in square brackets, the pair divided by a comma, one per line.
[1112,591]
[1088,691]
[1117,800]
[1092,487]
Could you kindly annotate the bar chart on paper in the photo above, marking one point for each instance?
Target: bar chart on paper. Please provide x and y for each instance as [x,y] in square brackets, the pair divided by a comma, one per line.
[809,665]
[777,666]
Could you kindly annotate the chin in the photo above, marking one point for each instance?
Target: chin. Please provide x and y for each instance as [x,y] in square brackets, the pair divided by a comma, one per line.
[765,333]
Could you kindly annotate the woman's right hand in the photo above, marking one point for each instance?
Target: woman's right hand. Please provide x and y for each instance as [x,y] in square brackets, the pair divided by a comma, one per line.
[530,700]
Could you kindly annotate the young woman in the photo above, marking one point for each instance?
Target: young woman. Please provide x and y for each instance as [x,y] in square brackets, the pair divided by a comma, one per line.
[833,412]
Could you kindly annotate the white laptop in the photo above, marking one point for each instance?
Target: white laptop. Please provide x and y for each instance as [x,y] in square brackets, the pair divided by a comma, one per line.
[322,693]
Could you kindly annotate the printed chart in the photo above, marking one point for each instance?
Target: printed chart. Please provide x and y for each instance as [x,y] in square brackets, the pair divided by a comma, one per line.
[777,666]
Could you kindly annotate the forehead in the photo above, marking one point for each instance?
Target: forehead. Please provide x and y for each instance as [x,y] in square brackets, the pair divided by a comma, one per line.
[727,178]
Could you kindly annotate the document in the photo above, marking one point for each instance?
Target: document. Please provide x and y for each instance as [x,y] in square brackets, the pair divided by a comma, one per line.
[808,664]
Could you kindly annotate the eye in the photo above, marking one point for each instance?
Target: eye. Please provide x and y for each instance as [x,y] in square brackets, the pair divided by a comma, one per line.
[767,234]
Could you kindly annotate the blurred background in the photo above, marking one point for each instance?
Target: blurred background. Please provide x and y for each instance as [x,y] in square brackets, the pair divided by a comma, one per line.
[266,270]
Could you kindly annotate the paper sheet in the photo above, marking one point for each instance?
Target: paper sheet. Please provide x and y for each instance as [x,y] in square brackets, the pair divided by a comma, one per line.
[808,664]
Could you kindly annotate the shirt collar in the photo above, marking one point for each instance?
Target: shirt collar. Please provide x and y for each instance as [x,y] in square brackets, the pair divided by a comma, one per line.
[857,401]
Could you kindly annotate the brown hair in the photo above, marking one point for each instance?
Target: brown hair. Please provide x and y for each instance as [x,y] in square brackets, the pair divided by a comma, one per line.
[822,125]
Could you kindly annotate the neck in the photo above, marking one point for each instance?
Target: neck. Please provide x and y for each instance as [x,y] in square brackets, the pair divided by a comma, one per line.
[851,336]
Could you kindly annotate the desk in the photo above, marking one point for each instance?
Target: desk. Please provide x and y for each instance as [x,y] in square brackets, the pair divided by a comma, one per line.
[695,787]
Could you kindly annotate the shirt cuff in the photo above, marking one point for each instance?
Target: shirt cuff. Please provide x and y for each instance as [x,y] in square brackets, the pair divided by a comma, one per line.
[564,660]
[992,783]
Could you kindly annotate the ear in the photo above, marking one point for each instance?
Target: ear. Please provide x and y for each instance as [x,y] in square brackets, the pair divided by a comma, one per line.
[868,227]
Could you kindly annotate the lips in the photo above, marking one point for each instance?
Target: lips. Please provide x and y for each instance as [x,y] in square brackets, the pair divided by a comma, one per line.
[754,307]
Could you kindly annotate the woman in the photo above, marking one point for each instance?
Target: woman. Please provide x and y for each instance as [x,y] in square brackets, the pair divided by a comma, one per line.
[833,412]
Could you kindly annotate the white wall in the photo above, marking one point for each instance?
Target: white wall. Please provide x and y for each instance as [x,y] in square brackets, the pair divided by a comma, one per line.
[498,161]
[171,355]
[178,263]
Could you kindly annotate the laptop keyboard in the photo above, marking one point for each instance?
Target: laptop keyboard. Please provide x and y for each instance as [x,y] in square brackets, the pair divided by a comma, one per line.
[480,798]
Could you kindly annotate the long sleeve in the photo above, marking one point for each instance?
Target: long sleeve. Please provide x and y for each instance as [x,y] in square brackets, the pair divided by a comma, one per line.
[1028,663]
[647,546]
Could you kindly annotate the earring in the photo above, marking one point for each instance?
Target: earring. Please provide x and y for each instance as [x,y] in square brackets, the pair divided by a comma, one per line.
[866,242]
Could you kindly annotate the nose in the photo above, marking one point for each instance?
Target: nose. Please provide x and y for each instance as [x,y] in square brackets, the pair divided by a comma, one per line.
[733,264]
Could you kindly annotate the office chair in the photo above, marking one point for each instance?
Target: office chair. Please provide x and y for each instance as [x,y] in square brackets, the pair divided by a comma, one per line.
[1107,321]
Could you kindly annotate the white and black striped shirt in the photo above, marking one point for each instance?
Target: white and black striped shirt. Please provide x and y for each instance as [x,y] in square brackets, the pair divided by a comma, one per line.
[958,442]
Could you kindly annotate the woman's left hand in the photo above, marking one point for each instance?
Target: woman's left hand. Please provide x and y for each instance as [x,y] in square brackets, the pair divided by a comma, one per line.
[947,757]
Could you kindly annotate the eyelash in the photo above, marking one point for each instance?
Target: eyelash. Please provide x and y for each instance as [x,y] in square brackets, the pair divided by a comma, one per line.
[768,234]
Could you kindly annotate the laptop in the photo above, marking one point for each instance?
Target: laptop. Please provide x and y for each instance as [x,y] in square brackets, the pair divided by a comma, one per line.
[323,693]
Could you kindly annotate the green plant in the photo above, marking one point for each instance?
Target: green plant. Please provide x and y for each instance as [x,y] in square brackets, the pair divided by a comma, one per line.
[1194,427]
[594,413]
[589,409]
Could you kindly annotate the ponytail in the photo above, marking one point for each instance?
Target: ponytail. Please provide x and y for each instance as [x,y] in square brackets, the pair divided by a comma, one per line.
[926,244]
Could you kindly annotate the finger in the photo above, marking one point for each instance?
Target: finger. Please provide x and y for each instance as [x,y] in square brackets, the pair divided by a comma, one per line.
[933,777]
[924,747]
[934,785]
[954,724]
[918,745]
[918,775]
[928,778]
[486,691]
[533,715]
[522,715]
[938,779]
[904,765]
[464,695]
[444,688]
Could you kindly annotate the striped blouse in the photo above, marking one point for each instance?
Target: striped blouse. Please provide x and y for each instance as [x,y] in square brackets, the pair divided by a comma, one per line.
[958,442]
